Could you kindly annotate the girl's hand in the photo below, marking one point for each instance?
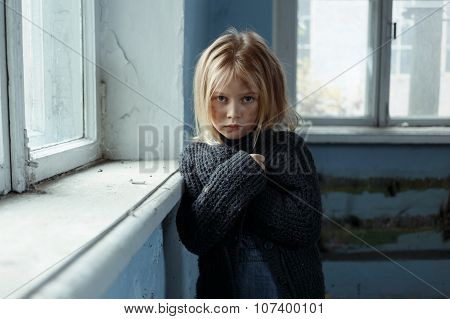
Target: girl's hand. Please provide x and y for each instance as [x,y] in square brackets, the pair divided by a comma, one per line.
[259,159]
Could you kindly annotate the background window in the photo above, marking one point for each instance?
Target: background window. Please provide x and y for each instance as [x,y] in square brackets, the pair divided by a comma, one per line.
[304,33]
[418,81]
[53,82]
[53,71]
[401,49]
[331,36]
[447,68]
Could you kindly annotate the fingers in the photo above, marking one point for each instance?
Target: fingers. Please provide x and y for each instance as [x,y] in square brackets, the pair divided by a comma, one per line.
[260,159]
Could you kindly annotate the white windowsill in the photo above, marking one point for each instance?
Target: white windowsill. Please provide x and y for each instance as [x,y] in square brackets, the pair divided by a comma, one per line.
[72,237]
[372,135]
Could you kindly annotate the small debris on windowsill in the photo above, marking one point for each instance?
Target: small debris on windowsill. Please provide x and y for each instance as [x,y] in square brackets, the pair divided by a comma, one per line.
[34,190]
[137,182]
[100,170]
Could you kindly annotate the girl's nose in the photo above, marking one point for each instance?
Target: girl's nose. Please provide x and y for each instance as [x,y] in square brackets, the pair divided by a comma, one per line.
[233,110]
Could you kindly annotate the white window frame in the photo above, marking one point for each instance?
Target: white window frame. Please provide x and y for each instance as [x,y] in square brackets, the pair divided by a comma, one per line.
[447,54]
[5,165]
[28,166]
[377,127]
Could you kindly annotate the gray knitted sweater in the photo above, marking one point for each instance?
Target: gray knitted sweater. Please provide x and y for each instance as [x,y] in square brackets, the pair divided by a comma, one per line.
[227,194]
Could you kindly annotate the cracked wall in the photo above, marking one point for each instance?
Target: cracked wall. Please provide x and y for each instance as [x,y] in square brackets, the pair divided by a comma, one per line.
[140,61]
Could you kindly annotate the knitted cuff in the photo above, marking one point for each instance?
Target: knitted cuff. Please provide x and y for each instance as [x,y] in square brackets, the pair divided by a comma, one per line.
[234,183]
[245,171]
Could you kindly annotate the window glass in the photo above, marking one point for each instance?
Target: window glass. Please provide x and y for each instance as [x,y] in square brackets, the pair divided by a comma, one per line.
[332,36]
[53,71]
[418,82]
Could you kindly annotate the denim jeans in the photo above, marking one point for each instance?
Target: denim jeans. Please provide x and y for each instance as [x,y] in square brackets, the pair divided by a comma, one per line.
[253,277]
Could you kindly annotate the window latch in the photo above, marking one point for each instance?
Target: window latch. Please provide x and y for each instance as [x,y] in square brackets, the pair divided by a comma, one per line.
[394,30]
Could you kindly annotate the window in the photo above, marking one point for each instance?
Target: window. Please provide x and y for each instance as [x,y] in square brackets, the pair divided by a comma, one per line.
[304,33]
[401,49]
[369,63]
[53,82]
[447,52]
[419,91]
[5,180]
[52,106]
[333,35]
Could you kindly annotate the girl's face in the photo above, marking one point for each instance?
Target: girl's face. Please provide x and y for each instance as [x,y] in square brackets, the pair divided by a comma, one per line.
[234,109]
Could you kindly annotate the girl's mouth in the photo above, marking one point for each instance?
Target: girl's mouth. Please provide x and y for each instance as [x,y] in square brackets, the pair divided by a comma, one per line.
[233,126]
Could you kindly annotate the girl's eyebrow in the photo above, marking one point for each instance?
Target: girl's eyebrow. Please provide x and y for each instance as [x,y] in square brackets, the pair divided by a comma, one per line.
[244,93]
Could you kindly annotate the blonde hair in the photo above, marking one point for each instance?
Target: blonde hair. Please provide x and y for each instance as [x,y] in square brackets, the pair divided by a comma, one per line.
[244,55]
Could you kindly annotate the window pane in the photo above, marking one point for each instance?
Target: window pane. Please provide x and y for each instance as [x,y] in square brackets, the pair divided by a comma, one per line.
[3,163]
[53,78]
[420,89]
[304,31]
[405,61]
[448,61]
[406,37]
[394,58]
[334,33]
[447,15]
[447,69]
[304,7]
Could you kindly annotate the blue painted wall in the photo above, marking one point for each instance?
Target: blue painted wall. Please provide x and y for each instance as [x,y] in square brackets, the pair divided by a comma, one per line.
[251,15]
[196,34]
[162,268]
[386,279]
[144,277]
[364,161]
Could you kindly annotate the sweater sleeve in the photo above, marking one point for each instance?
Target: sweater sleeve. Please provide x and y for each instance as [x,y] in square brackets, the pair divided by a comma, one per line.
[290,213]
[208,212]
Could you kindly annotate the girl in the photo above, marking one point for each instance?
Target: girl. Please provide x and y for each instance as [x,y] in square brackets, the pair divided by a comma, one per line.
[251,209]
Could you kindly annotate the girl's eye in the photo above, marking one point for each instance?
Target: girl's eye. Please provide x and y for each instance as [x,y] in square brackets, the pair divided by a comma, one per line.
[248,99]
[221,98]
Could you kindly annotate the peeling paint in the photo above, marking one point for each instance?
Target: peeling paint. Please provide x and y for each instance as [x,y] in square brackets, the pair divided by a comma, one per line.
[404,236]
[353,221]
[337,238]
[445,219]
